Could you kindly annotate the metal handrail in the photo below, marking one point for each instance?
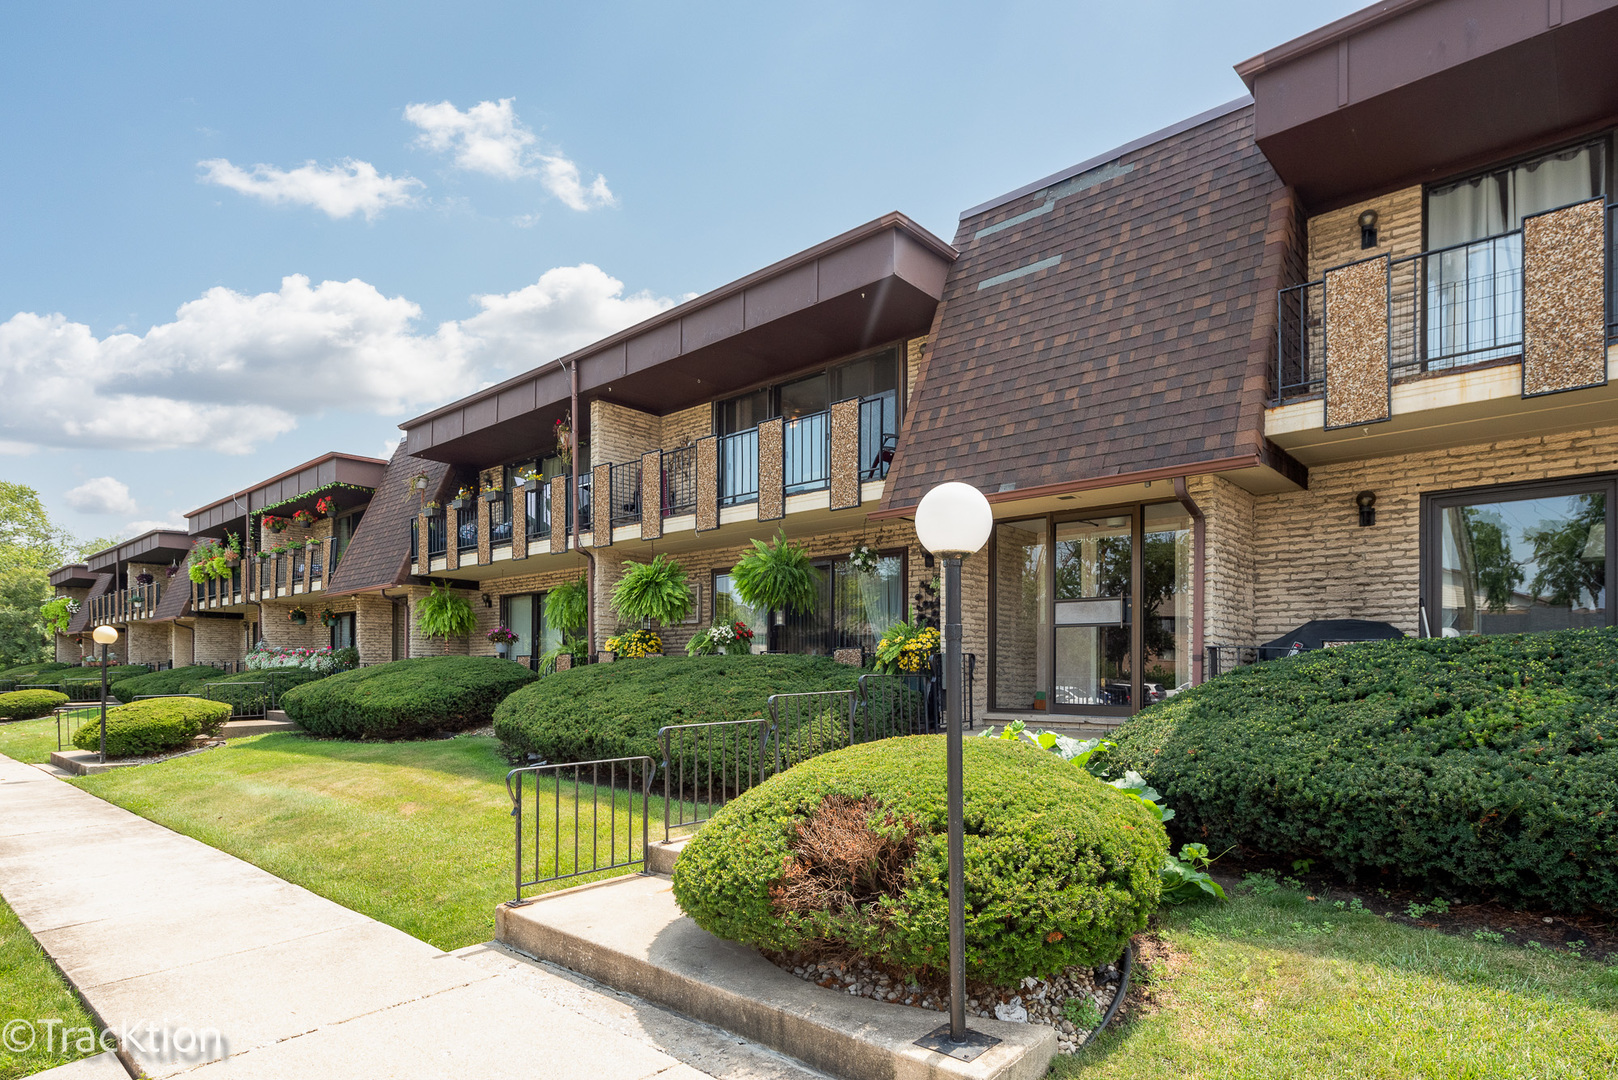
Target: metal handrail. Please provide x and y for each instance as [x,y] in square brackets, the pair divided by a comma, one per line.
[625,494]
[680,481]
[806,464]
[612,767]
[741,761]
[738,468]
[466,528]
[538,504]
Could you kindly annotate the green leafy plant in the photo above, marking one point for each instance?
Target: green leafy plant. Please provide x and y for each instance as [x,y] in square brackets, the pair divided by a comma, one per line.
[1077,751]
[1081,1012]
[1187,878]
[566,605]
[445,613]
[1493,936]
[57,612]
[906,647]
[209,559]
[657,590]
[634,644]
[777,576]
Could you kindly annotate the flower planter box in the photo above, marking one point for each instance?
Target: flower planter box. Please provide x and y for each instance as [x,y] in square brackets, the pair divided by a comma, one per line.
[533,485]
[457,504]
[492,496]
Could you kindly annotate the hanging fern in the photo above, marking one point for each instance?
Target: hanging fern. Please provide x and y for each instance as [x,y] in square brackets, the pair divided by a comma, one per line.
[777,576]
[444,613]
[655,590]
[565,606]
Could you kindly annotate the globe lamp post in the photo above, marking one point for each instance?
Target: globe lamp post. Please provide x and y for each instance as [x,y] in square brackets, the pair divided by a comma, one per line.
[953,521]
[104,636]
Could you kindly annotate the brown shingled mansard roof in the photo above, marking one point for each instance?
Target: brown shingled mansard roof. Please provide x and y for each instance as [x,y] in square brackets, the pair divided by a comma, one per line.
[379,553]
[80,622]
[1114,319]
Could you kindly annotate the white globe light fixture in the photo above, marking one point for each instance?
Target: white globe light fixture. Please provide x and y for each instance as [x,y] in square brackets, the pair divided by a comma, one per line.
[104,636]
[954,520]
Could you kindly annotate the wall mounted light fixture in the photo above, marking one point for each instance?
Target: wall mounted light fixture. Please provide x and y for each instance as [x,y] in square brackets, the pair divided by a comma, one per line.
[1368,230]
[1366,501]
[487,602]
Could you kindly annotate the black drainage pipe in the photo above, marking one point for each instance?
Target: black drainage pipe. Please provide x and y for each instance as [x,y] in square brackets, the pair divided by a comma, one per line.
[1127,964]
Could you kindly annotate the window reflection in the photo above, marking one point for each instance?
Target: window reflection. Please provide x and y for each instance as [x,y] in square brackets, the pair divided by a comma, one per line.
[1523,565]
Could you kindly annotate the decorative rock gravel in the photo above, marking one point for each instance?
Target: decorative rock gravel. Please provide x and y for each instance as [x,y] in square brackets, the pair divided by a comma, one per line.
[1035,1001]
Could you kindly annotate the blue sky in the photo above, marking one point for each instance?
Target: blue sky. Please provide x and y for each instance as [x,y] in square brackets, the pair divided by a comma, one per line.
[180,183]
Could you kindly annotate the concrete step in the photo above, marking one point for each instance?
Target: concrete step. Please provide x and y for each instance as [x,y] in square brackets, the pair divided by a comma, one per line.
[54,770]
[103,1066]
[275,720]
[629,934]
[660,857]
[85,762]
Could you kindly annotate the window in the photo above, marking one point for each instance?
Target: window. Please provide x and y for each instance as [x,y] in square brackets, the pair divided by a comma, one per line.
[872,376]
[1517,558]
[1496,201]
[853,609]
[342,631]
[524,613]
[343,529]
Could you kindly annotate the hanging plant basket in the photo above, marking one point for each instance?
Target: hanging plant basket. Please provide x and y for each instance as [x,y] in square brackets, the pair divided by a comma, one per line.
[298,617]
[328,617]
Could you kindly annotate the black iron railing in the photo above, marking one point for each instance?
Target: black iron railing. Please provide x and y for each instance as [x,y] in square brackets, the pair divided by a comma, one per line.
[707,765]
[625,494]
[879,435]
[500,519]
[807,464]
[738,468]
[1301,340]
[539,511]
[1612,272]
[680,481]
[437,536]
[1224,658]
[599,816]
[466,528]
[584,504]
[1456,306]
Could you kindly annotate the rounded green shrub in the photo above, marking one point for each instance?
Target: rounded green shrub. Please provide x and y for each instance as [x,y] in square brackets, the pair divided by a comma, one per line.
[407,698]
[22,672]
[84,683]
[1060,868]
[1472,767]
[251,692]
[615,710]
[153,726]
[29,704]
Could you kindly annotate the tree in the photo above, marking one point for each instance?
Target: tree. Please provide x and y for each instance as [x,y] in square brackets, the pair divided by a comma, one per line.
[1565,570]
[31,546]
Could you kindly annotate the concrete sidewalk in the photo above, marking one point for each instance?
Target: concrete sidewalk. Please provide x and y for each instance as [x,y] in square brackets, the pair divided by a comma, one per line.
[161,933]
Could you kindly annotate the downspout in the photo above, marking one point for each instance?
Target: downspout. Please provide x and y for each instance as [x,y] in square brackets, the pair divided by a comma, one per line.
[573,503]
[1199,541]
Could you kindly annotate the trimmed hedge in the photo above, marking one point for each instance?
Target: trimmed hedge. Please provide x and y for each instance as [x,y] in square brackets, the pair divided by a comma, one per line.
[153,727]
[180,680]
[248,699]
[29,704]
[1474,767]
[406,698]
[28,671]
[84,683]
[615,710]
[1060,868]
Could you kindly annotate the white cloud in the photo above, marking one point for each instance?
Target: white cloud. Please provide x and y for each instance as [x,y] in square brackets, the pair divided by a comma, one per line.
[347,188]
[175,522]
[101,495]
[488,138]
[232,371]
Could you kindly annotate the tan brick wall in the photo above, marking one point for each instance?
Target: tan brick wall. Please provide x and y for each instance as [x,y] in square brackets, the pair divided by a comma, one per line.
[69,651]
[276,629]
[421,645]
[687,426]
[218,640]
[1334,237]
[1313,561]
[373,628]
[1229,576]
[619,435]
[181,647]
[147,643]
[915,353]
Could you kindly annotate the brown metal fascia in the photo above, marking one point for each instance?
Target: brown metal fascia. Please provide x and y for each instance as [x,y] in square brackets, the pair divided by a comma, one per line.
[890,221]
[1249,70]
[333,456]
[1167,472]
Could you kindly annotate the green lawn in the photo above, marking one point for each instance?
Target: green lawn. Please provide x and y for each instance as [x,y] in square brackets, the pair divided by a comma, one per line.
[415,834]
[1278,986]
[32,990]
[32,740]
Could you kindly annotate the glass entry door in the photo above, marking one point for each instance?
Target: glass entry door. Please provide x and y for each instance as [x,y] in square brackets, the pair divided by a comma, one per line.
[1091,602]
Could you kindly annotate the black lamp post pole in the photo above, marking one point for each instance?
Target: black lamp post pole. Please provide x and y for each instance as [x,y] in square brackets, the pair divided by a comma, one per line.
[956,798]
[103,703]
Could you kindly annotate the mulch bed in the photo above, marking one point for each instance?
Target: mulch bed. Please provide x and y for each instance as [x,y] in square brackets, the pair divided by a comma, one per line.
[1594,937]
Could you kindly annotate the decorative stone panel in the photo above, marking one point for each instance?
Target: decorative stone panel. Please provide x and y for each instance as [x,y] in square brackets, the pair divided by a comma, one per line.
[845,454]
[707,484]
[854,657]
[452,538]
[422,558]
[559,526]
[651,495]
[484,507]
[772,499]
[1357,385]
[601,499]
[1564,319]
[519,524]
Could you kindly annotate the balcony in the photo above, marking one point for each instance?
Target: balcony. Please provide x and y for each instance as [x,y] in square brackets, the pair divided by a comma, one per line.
[267,576]
[1497,338]
[126,605]
[826,460]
